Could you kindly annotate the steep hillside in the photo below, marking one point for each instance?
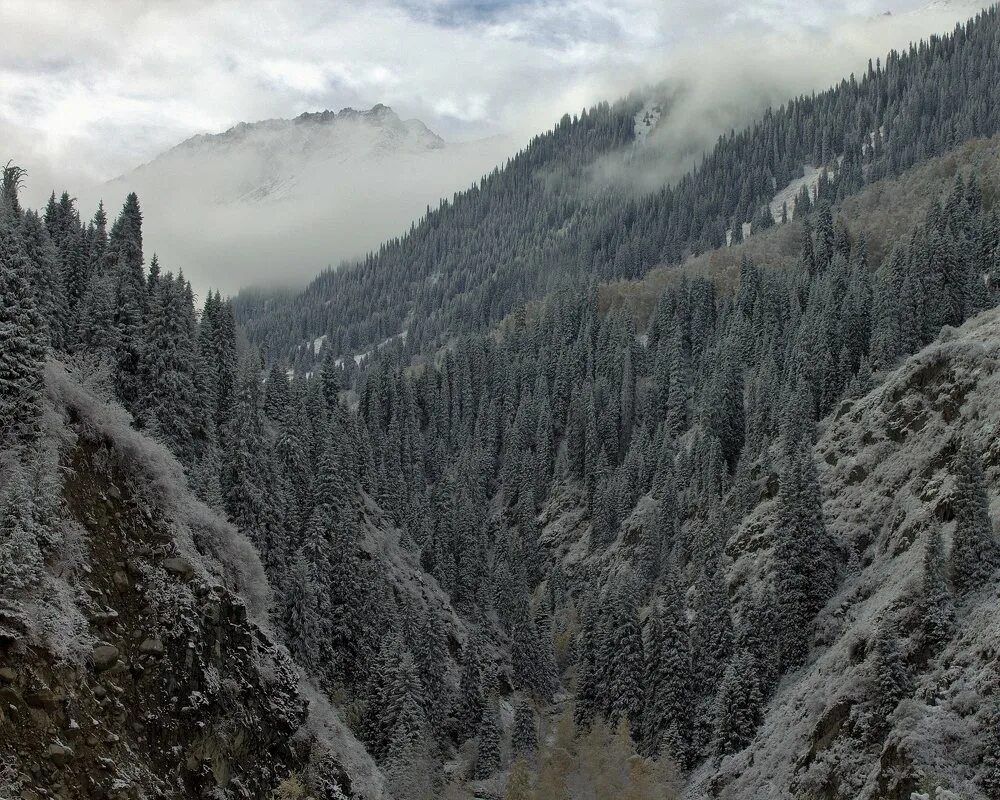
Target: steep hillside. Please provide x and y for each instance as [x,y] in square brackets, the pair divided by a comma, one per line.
[883,214]
[542,223]
[135,654]
[888,464]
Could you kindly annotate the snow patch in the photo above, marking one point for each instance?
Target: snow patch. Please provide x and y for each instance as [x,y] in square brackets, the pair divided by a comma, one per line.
[645,120]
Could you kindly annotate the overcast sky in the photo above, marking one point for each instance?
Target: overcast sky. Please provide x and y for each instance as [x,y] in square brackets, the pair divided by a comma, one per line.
[94,89]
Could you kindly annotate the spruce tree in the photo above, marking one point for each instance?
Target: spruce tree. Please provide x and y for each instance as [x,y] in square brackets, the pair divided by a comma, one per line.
[21,562]
[739,706]
[22,350]
[937,617]
[668,712]
[488,756]
[892,678]
[623,656]
[974,552]
[470,702]
[803,554]
[989,771]
[524,737]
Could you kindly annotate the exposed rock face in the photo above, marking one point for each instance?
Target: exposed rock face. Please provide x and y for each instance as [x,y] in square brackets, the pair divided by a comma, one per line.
[145,673]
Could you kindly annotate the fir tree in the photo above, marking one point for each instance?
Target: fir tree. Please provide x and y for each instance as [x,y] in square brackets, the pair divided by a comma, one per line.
[739,706]
[937,615]
[524,737]
[803,554]
[22,350]
[974,552]
[488,756]
[892,678]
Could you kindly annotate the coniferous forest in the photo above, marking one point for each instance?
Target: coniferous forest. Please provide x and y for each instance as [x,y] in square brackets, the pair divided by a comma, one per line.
[519,536]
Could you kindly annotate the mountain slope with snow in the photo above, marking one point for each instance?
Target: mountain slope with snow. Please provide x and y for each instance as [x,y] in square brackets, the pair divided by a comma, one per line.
[273,202]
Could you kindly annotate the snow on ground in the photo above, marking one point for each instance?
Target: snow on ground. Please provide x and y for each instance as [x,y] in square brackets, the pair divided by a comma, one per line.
[885,465]
[318,344]
[809,179]
[645,120]
[359,357]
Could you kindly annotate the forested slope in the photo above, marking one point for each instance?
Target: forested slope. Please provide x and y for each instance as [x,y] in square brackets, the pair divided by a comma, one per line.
[597,551]
[541,223]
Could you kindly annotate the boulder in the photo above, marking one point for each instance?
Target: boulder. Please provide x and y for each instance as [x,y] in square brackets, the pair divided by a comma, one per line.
[60,754]
[179,566]
[152,647]
[104,657]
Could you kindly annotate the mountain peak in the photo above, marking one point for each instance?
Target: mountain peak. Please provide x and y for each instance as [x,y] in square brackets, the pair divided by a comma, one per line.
[378,112]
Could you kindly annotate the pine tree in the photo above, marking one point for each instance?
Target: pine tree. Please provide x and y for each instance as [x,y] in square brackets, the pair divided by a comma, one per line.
[623,656]
[803,555]
[21,561]
[488,756]
[167,403]
[974,552]
[739,706]
[892,678]
[470,702]
[936,613]
[524,737]
[588,678]
[668,713]
[989,772]
[759,636]
[430,653]
[22,351]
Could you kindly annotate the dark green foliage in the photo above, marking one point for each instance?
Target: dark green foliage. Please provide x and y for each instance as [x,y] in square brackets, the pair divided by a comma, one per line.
[892,680]
[937,615]
[668,680]
[478,257]
[488,756]
[974,551]
[804,556]
[22,348]
[524,737]
[739,706]
[989,772]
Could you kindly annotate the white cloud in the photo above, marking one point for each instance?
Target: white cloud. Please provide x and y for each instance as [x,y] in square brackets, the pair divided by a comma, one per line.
[104,85]
[87,92]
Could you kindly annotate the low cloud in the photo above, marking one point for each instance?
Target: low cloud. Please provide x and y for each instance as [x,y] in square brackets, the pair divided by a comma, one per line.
[144,75]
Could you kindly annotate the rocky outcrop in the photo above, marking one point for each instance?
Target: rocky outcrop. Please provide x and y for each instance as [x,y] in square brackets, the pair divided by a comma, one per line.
[140,667]
[886,466]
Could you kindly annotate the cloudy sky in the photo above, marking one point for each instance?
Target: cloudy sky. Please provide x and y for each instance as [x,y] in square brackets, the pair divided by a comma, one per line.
[94,89]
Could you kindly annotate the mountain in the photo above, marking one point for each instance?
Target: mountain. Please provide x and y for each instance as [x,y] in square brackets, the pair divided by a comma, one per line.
[551,218]
[722,528]
[270,160]
[281,199]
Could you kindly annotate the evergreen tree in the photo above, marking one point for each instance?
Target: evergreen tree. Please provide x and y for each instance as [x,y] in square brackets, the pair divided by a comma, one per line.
[623,656]
[989,772]
[471,701]
[488,756]
[739,706]
[892,678]
[21,563]
[22,351]
[937,615]
[669,682]
[803,554]
[524,737]
[974,553]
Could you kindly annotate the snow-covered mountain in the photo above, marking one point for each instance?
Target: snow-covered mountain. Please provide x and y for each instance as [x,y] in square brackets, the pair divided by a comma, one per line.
[277,200]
